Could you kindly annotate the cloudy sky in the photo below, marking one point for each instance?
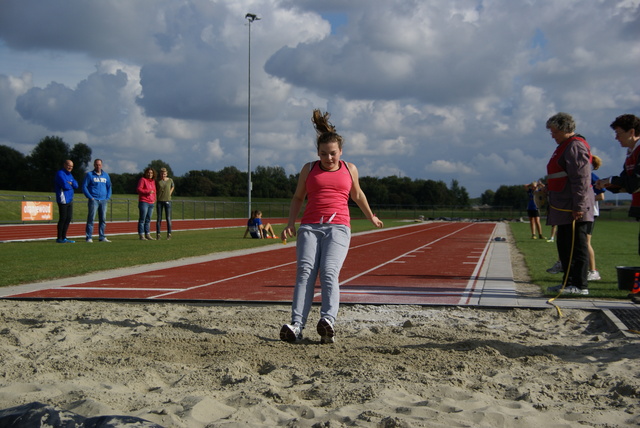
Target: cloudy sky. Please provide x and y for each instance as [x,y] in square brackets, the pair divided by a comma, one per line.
[429,89]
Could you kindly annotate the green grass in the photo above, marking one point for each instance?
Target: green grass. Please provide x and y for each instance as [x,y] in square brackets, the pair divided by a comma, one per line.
[34,261]
[615,244]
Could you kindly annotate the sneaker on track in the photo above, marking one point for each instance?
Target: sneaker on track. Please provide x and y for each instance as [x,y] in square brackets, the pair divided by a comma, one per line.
[575,290]
[554,289]
[326,331]
[569,289]
[556,268]
[593,275]
[291,333]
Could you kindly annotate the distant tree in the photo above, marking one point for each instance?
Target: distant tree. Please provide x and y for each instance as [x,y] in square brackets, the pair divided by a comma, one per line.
[157,164]
[125,183]
[44,161]
[459,194]
[270,182]
[196,183]
[488,197]
[376,192]
[511,196]
[81,156]
[433,192]
[230,181]
[402,191]
[12,169]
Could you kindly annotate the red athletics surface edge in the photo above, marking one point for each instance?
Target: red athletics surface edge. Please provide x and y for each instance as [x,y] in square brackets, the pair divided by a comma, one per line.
[422,264]
[27,232]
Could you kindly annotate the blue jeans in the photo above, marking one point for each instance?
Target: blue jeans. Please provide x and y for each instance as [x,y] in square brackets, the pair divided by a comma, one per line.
[146,211]
[321,250]
[166,205]
[101,208]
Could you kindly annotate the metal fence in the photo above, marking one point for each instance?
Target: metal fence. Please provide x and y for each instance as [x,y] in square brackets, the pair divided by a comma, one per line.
[127,209]
[121,209]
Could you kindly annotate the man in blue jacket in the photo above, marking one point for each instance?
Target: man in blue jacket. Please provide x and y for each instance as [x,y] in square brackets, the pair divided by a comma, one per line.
[64,186]
[97,189]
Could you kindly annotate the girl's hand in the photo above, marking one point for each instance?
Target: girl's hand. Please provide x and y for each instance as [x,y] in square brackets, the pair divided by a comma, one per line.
[376,221]
[288,232]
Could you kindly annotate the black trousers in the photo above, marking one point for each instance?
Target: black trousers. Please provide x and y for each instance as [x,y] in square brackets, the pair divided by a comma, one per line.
[574,252]
[66,214]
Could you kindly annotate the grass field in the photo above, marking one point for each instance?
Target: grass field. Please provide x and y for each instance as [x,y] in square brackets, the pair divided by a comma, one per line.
[615,244]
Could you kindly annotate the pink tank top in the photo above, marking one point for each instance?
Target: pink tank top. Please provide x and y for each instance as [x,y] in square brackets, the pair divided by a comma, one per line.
[328,195]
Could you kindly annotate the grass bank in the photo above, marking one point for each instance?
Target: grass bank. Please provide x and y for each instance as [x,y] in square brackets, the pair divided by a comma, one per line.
[615,244]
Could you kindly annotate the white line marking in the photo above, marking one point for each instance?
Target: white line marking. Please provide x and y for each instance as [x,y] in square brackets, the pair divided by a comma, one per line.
[222,280]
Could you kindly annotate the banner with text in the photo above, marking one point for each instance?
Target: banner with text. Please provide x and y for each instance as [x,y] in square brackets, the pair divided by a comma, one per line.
[33,210]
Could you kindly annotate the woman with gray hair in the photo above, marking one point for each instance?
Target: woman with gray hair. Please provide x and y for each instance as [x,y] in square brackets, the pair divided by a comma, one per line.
[571,202]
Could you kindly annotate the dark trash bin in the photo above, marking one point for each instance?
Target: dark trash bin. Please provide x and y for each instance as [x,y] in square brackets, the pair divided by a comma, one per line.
[628,276]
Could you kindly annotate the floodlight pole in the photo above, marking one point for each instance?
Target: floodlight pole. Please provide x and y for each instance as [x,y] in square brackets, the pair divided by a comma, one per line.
[249,17]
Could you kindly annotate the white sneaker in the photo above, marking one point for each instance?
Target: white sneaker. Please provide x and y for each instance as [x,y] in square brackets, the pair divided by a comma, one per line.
[593,275]
[89,240]
[291,333]
[554,289]
[568,290]
[556,268]
[326,331]
[575,290]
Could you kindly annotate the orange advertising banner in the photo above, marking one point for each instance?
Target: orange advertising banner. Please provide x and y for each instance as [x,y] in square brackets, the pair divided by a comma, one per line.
[33,210]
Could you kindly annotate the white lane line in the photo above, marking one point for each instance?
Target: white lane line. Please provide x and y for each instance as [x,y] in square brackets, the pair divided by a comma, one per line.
[474,277]
[117,289]
[396,259]
[222,280]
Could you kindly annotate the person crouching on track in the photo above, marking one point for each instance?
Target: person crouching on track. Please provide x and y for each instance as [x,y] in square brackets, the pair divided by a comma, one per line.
[325,232]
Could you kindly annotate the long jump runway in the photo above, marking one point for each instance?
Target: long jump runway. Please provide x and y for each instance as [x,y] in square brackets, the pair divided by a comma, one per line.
[436,263]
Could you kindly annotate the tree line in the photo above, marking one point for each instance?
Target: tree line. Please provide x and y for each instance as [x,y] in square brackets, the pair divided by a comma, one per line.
[36,171]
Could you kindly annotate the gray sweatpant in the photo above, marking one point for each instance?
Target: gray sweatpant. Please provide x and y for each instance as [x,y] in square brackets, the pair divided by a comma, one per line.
[321,250]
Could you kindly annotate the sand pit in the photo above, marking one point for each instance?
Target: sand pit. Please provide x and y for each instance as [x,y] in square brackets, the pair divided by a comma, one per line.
[181,365]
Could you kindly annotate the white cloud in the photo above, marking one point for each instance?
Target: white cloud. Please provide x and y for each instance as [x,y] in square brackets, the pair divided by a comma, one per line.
[448,167]
[425,89]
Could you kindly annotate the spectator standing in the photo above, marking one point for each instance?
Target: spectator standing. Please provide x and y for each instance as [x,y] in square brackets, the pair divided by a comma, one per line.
[146,200]
[571,202]
[65,184]
[593,274]
[533,210]
[97,188]
[627,129]
[165,189]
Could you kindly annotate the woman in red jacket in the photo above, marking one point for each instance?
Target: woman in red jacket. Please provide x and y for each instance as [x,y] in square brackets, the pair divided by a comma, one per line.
[146,200]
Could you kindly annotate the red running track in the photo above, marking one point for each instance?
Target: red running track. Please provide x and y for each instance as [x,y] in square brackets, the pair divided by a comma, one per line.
[26,232]
[422,264]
